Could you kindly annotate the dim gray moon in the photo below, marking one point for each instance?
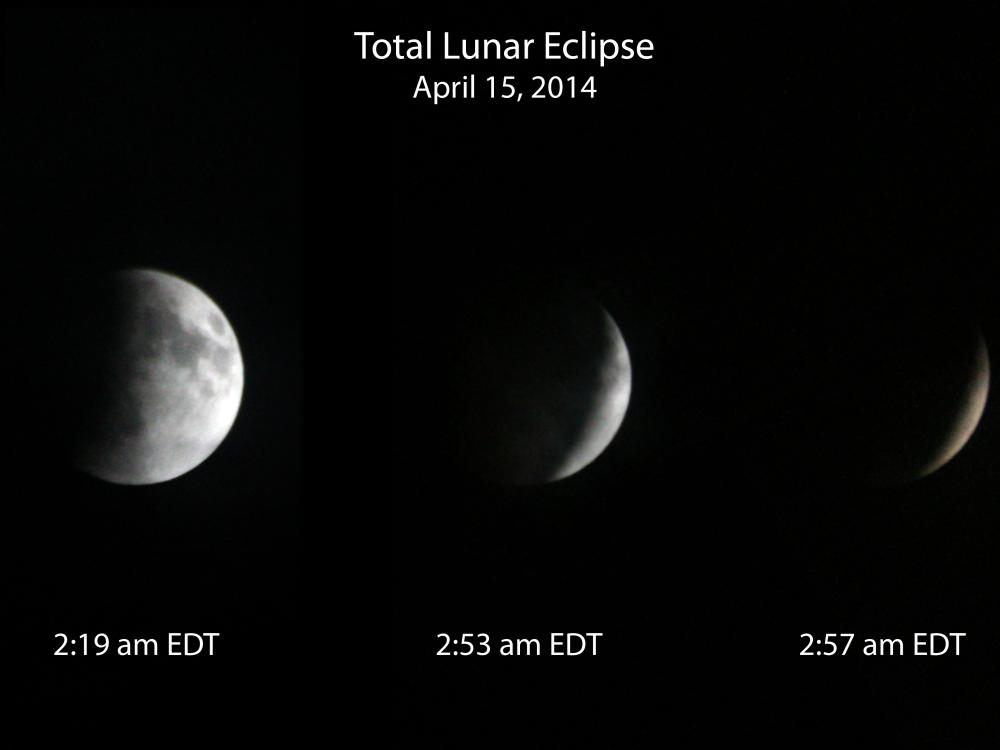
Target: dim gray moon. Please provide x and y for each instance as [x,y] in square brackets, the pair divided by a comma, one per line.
[906,382]
[158,378]
[544,387]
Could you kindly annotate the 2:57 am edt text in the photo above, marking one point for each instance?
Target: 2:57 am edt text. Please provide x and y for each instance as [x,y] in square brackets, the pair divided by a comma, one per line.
[920,644]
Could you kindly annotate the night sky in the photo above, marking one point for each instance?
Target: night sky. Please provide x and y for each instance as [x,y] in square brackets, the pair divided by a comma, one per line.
[727,202]
[168,139]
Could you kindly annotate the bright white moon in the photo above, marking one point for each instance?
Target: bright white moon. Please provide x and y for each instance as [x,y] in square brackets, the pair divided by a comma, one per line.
[172,382]
[610,401]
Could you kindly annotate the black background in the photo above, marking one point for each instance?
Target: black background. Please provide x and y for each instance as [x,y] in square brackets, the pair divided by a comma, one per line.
[721,200]
[168,139]
[717,199]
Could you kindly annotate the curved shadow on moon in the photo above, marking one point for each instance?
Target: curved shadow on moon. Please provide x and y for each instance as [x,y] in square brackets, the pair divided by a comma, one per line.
[932,412]
[541,386]
[902,381]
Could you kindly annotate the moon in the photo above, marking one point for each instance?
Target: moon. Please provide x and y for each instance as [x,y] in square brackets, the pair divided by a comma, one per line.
[611,390]
[546,385]
[907,384]
[156,378]
[969,409]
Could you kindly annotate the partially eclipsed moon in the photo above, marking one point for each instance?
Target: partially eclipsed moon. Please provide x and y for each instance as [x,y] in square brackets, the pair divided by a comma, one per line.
[544,386]
[907,381]
[160,378]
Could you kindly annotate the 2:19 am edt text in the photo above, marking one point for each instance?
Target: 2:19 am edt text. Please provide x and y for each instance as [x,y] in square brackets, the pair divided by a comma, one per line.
[100,644]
